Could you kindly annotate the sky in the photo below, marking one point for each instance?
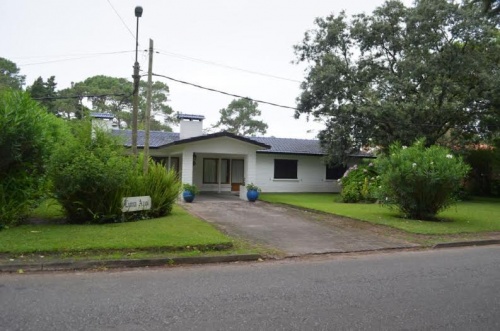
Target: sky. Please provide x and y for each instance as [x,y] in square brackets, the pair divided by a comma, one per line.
[243,47]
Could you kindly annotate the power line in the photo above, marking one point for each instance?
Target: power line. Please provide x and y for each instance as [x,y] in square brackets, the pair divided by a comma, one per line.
[225,93]
[89,55]
[121,19]
[85,96]
[185,57]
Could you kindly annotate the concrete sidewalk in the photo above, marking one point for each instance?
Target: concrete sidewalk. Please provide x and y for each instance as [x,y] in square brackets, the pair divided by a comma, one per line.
[295,232]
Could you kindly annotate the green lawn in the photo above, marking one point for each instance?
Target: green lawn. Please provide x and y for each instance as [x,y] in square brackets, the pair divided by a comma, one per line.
[477,215]
[174,232]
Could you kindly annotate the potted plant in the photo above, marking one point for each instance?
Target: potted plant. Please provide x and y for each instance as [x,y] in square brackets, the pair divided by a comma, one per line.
[252,192]
[190,191]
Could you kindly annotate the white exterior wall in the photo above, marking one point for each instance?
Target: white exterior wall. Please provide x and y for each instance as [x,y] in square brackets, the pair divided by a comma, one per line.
[224,148]
[311,173]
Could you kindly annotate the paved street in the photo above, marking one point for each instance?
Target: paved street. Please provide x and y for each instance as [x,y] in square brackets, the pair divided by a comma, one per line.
[293,231]
[451,289]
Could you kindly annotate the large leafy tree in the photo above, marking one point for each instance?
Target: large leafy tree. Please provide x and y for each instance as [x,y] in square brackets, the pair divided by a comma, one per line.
[399,74]
[114,95]
[107,94]
[159,106]
[9,75]
[491,7]
[45,93]
[70,102]
[239,118]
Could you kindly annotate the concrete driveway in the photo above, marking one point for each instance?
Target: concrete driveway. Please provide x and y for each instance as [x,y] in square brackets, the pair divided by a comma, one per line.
[294,232]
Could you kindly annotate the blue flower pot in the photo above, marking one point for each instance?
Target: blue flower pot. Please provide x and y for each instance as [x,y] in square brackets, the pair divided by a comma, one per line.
[188,196]
[252,195]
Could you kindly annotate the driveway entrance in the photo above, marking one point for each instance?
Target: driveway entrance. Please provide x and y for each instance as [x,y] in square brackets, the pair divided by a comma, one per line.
[295,232]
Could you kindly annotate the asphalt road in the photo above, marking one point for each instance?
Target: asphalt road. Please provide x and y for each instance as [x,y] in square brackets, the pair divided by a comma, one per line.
[451,289]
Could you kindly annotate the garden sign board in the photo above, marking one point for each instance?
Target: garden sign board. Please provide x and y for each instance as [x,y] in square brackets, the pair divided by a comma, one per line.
[136,203]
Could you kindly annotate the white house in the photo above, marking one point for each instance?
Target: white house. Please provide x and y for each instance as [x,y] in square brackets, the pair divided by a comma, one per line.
[224,162]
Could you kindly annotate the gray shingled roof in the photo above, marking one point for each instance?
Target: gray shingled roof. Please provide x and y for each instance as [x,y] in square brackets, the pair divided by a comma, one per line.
[156,138]
[278,145]
[290,145]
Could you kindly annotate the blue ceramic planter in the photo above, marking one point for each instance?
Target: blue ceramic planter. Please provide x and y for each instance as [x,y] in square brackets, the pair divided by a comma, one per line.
[252,195]
[188,196]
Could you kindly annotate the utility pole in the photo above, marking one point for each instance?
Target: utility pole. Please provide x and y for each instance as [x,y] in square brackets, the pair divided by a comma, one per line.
[137,77]
[148,108]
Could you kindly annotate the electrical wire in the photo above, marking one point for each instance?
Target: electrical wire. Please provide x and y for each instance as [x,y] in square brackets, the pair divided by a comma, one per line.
[189,58]
[85,96]
[225,93]
[121,19]
[74,58]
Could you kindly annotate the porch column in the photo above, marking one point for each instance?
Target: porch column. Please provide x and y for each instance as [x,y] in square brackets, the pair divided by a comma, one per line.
[251,168]
[219,179]
[187,167]
[250,173]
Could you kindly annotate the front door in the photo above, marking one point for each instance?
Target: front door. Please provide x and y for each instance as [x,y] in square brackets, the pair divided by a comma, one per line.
[237,174]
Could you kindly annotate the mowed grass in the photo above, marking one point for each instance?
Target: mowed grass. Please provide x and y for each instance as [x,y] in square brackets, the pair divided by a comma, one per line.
[174,232]
[477,215]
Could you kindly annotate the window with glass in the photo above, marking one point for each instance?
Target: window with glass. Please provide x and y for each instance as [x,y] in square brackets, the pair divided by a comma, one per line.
[335,172]
[210,171]
[285,169]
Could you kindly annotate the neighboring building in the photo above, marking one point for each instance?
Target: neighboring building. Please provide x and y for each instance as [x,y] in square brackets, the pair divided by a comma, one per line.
[224,162]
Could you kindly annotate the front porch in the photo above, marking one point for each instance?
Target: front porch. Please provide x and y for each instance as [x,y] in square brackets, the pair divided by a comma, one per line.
[219,162]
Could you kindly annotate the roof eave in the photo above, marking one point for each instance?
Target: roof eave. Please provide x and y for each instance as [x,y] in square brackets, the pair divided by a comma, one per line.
[216,135]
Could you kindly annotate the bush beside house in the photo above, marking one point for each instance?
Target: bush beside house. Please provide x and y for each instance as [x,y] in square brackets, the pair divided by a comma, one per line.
[27,136]
[91,174]
[420,181]
[359,183]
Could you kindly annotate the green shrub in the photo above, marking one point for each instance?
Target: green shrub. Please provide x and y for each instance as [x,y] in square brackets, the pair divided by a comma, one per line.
[27,137]
[359,183]
[420,181]
[90,175]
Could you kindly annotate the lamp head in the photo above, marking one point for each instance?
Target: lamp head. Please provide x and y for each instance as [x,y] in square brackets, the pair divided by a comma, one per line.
[138,11]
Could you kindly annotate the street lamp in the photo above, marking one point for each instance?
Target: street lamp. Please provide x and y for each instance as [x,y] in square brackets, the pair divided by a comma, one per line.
[136,77]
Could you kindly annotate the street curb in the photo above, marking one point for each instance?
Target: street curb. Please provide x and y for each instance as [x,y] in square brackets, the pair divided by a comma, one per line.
[467,243]
[108,264]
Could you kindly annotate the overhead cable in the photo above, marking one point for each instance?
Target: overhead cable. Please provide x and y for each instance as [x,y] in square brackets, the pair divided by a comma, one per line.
[121,19]
[185,57]
[225,93]
[89,55]
[85,96]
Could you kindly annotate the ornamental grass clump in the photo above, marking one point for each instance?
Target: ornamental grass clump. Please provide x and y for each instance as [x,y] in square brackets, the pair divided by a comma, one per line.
[420,181]
[162,185]
[359,183]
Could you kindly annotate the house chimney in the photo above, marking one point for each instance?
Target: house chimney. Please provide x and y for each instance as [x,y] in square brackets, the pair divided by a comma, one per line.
[103,121]
[190,125]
